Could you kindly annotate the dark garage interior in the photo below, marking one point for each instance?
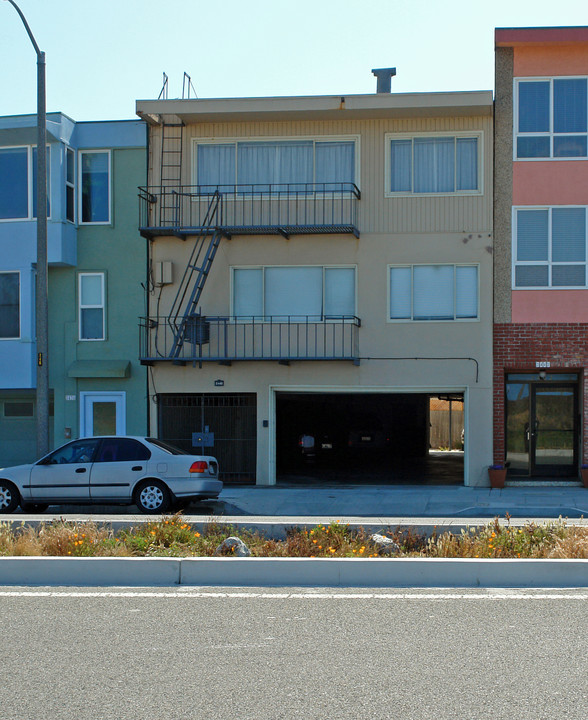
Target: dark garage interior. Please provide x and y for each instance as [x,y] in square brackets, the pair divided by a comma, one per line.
[361,438]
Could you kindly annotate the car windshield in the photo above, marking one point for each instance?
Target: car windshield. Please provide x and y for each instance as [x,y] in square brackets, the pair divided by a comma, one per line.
[171,449]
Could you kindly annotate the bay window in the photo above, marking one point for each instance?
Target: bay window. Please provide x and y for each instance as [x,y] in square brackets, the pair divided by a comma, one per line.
[18,183]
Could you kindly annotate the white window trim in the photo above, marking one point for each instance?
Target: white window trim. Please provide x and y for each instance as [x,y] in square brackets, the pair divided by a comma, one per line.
[411,319]
[12,272]
[262,317]
[30,191]
[73,185]
[119,397]
[81,153]
[550,134]
[449,133]
[279,138]
[81,307]
[549,262]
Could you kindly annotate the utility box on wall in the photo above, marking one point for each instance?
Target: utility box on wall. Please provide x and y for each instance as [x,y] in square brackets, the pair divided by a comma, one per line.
[163,273]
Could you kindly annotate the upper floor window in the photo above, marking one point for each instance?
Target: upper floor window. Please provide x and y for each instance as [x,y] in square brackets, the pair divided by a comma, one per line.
[314,292]
[91,306]
[327,163]
[9,305]
[95,186]
[70,180]
[18,183]
[441,164]
[549,247]
[434,292]
[551,118]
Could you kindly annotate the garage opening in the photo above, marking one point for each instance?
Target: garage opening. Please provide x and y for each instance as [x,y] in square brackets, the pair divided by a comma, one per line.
[397,438]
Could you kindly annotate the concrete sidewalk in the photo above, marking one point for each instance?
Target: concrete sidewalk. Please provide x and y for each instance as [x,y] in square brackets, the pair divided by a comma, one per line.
[403,501]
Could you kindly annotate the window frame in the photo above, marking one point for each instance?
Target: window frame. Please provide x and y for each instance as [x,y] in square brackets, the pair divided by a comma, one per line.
[71,185]
[355,138]
[412,319]
[80,177]
[549,263]
[30,216]
[455,134]
[15,272]
[263,318]
[81,307]
[549,133]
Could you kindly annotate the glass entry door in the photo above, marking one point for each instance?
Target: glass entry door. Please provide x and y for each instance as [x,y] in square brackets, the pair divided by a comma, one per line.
[102,413]
[542,425]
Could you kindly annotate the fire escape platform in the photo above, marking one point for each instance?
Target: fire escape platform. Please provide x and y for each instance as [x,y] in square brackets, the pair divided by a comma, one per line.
[229,231]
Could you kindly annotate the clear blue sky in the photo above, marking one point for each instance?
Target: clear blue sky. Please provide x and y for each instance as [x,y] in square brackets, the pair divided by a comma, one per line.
[102,55]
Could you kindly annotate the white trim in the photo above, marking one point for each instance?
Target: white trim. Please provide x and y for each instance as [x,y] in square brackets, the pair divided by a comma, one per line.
[18,337]
[81,153]
[549,262]
[423,322]
[456,134]
[118,397]
[102,306]
[355,138]
[549,133]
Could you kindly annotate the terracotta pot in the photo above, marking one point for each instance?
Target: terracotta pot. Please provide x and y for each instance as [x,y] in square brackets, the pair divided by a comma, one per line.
[584,472]
[497,477]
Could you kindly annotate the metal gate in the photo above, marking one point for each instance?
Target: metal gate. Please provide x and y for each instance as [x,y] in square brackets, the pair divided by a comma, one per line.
[232,418]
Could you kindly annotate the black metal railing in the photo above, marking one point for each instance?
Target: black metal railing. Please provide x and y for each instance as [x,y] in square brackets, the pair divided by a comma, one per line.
[228,339]
[282,208]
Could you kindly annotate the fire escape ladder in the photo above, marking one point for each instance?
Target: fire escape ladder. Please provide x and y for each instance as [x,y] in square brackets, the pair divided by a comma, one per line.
[171,173]
[184,318]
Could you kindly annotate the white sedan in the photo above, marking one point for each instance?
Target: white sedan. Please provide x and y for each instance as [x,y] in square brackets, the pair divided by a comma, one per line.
[119,470]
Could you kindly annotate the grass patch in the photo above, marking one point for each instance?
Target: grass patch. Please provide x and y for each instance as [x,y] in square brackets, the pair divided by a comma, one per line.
[173,536]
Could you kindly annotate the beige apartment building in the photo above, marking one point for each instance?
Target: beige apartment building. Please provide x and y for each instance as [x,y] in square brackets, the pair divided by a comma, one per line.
[320,269]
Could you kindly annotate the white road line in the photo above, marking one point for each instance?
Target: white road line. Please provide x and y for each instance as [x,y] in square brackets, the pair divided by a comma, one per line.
[529,595]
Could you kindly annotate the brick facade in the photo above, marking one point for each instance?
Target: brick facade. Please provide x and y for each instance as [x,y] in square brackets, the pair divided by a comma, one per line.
[518,347]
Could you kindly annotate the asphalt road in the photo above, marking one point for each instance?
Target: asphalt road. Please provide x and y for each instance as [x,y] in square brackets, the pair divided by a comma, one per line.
[214,653]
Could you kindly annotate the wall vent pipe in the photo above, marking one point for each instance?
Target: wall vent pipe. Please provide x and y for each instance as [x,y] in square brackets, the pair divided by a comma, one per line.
[384,76]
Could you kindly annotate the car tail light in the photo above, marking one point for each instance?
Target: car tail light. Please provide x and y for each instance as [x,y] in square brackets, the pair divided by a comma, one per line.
[199,466]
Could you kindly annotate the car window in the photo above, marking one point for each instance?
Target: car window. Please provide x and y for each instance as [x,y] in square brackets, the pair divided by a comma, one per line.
[79,451]
[122,450]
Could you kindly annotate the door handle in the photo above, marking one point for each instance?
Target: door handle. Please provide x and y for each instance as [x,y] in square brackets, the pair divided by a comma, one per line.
[80,470]
[136,467]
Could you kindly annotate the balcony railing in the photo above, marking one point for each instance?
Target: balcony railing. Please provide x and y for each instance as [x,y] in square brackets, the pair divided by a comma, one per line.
[285,209]
[228,339]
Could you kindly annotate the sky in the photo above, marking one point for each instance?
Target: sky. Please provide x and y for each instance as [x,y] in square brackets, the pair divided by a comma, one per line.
[102,55]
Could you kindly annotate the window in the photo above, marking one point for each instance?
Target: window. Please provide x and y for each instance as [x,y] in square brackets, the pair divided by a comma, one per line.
[261,163]
[552,117]
[95,186]
[18,409]
[18,183]
[91,301]
[550,247]
[319,293]
[122,450]
[9,305]
[437,164]
[79,451]
[434,292]
[70,178]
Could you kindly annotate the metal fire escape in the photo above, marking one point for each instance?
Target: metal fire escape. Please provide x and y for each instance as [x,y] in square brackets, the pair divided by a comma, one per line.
[185,321]
[171,173]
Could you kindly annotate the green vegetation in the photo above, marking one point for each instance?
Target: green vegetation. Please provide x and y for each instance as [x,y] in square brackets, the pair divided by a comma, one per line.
[173,536]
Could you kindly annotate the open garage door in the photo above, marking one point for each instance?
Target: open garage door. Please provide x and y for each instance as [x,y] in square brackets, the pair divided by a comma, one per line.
[364,438]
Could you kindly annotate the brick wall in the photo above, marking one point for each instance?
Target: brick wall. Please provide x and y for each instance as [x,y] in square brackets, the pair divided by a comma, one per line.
[520,346]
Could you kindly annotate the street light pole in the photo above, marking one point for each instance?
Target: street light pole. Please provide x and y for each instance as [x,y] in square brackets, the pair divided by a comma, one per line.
[41,296]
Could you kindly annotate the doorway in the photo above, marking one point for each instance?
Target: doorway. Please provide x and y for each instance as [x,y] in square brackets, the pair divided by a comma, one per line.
[542,425]
[102,413]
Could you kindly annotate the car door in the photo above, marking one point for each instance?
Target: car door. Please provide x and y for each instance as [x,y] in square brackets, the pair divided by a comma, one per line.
[64,475]
[120,462]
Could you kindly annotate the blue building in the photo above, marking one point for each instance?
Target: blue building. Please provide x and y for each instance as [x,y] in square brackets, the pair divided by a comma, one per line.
[96,265]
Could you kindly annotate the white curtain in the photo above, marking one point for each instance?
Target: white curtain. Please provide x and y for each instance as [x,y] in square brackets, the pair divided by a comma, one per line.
[467,163]
[400,293]
[466,291]
[216,164]
[339,291]
[334,163]
[434,165]
[271,163]
[248,292]
[294,291]
[433,292]
[401,165]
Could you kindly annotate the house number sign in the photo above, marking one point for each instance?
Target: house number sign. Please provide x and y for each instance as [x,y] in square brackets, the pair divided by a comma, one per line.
[542,364]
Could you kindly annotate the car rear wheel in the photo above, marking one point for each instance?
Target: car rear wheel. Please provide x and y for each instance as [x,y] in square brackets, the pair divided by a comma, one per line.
[33,507]
[9,497]
[152,496]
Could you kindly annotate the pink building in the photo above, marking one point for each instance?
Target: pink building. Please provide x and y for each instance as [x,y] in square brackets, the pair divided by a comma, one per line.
[540,245]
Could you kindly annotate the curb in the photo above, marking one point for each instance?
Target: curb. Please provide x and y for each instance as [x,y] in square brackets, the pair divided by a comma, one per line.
[293,572]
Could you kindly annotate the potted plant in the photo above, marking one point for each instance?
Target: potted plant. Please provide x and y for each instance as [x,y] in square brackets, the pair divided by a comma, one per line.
[497,474]
[584,473]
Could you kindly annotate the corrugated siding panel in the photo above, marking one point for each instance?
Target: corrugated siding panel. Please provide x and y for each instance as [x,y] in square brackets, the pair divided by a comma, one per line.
[378,214]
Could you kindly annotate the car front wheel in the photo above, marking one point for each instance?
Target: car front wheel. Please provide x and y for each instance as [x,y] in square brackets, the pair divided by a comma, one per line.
[152,496]
[9,497]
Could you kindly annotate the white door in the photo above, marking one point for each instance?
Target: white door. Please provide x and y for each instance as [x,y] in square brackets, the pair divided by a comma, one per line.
[102,413]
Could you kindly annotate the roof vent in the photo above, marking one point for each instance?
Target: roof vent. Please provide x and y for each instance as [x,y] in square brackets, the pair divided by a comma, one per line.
[384,76]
